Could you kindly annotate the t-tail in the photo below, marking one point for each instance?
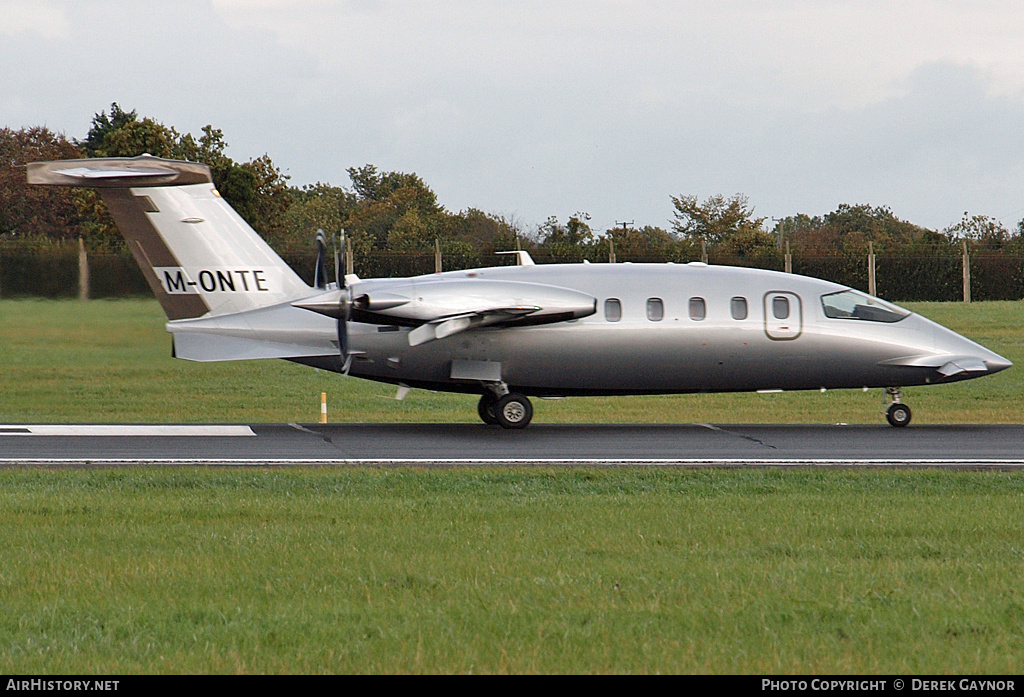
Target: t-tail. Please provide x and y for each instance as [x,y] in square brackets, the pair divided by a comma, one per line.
[227,294]
[198,255]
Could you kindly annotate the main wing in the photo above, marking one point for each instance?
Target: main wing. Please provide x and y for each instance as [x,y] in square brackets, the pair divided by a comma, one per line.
[443,307]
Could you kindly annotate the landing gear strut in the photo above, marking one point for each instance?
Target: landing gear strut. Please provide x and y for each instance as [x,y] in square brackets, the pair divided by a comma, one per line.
[898,413]
[507,409]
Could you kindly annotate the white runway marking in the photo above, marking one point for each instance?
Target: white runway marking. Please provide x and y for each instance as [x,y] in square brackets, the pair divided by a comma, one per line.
[122,430]
[953,463]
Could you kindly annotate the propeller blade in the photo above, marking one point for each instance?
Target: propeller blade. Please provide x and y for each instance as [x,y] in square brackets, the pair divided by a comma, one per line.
[338,278]
[344,307]
[320,270]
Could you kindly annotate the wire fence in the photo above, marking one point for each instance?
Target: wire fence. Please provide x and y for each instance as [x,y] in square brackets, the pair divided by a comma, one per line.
[55,273]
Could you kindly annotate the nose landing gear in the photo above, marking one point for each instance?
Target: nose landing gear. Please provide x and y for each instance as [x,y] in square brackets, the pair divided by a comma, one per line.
[898,413]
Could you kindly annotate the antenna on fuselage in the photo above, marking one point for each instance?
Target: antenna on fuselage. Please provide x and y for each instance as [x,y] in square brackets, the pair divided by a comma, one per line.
[523,257]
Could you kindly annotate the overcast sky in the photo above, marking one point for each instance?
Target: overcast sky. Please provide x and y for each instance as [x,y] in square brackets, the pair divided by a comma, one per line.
[531,109]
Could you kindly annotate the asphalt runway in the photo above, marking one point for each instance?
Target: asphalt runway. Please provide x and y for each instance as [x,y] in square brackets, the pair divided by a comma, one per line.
[693,445]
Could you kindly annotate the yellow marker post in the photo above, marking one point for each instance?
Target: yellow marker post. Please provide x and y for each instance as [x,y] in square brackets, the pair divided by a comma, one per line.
[323,407]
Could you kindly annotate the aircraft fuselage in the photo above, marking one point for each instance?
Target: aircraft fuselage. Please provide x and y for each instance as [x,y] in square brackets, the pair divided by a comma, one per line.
[668,328]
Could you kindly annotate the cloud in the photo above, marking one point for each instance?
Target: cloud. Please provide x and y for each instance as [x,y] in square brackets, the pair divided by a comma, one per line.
[942,144]
[545,108]
[819,54]
[40,18]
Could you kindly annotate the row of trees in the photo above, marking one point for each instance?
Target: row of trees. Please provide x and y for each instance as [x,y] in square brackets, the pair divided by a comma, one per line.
[380,211]
[396,212]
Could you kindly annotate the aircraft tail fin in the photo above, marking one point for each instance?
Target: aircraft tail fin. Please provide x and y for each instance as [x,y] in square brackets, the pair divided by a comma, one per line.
[198,255]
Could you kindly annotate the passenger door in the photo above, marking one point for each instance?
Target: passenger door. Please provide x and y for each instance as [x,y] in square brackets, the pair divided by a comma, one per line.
[783,315]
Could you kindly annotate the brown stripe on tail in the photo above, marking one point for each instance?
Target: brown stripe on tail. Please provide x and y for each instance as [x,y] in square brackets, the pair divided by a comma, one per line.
[150,250]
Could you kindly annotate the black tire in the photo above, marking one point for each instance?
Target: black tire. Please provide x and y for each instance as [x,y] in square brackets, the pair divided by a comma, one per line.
[898,415]
[513,411]
[485,408]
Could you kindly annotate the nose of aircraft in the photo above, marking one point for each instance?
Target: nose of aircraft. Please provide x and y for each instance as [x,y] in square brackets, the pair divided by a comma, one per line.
[966,355]
[997,363]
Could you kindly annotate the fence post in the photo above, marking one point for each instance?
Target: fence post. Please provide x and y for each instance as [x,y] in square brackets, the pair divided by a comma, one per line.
[83,271]
[611,250]
[967,274]
[349,261]
[789,259]
[703,250]
[872,288]
[437,255]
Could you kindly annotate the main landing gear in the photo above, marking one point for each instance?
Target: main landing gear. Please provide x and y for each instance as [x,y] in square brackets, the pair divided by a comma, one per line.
[898,413]
[508,410]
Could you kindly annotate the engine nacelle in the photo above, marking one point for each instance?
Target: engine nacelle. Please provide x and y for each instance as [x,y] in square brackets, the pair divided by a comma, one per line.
[521,302]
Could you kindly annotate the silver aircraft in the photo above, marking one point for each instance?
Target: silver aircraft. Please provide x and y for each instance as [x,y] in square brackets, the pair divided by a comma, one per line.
[509,332]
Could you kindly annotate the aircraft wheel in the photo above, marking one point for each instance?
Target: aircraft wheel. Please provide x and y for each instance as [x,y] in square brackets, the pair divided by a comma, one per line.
[485,408]
[898,415]
[513,411]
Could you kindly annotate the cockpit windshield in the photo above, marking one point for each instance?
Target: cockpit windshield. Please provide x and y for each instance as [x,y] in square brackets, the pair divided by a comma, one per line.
[850,304]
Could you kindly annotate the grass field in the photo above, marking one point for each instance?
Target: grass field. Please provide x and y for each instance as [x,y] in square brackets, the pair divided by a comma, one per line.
[488,570]
[109,361]
[518,571]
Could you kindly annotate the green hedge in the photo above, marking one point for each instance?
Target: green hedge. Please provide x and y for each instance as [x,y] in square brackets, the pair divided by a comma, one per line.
[54,273]
[49,275]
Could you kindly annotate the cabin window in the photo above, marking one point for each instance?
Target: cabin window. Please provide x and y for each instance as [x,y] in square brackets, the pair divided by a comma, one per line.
[698,309]
[850,304]
[612,309]
[780,307]
[739,308]
[655,309]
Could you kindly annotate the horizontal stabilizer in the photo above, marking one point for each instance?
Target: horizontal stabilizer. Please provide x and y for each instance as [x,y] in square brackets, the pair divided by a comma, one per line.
[118,172]
[97,173]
